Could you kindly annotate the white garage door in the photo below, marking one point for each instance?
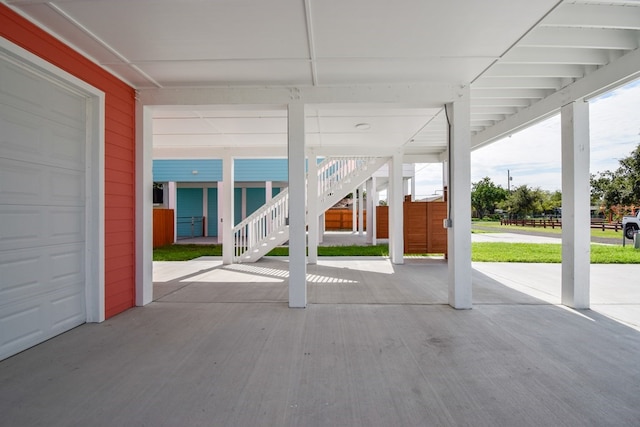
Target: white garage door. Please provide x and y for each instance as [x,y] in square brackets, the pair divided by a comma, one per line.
[42,208]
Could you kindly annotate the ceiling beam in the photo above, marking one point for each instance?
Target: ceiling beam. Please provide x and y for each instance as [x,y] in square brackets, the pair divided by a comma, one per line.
[593,38]
[540,55]
[600,81]
[414,95]
[594,15]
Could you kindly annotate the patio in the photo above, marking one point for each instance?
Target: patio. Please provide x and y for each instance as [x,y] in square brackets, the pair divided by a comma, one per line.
[377,346]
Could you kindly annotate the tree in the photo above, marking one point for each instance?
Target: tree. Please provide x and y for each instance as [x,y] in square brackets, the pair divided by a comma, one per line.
[485,196]
[619,187]
[525,201]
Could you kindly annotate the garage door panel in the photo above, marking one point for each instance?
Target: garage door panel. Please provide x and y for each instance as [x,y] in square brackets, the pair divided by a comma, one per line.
[66,312]
[66,147]
[41,141]
[22,90]
[33,226]
[22,274]
[43,182]
[21,136]
[67,266]
[20,227]
[21,182]
[66,188]
[38,271]
[25,323]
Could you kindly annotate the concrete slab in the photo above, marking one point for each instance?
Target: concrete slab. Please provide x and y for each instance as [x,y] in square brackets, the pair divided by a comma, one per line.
[378,346]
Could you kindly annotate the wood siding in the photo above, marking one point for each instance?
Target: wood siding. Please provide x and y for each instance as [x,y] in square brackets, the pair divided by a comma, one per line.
[163,221]
[423,230]
[120,194]
[341,219]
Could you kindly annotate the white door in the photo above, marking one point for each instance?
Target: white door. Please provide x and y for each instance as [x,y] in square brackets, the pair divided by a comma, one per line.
[43,137]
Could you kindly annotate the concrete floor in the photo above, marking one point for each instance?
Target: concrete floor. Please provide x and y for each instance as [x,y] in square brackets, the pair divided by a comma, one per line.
[377,346]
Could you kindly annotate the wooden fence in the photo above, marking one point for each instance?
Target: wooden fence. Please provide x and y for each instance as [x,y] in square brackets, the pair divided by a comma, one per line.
[556,223]
[341,219]
[423,230]
[162,227]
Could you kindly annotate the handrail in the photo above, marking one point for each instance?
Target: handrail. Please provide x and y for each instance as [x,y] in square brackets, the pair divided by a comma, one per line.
[273,216]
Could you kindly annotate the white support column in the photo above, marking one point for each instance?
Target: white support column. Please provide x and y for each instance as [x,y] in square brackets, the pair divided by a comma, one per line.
[268,191]
[143,217]
[576,229]
[205,210]
[413,188]
[227,218]
[221,203]
[361,210]
[354,205]
[459,235]
[374,211]
[312,209]
[172,203]
[369,211]
[297,208]
[396,214]
[321,228]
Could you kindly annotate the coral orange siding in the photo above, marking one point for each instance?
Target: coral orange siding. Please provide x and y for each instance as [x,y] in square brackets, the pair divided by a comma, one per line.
[119,152]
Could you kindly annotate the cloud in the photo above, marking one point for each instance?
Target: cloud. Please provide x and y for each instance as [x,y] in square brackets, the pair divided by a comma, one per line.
[533,155]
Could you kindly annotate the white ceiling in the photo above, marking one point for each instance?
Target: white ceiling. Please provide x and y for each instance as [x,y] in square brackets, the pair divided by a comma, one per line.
[521,58]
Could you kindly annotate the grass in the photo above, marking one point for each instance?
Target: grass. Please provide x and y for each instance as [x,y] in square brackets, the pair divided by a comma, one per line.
[187,252]
[481,252]
[377,250]
[497,228]
[549,253]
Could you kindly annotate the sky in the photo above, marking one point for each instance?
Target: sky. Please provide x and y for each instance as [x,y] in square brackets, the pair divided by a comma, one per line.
[532,156]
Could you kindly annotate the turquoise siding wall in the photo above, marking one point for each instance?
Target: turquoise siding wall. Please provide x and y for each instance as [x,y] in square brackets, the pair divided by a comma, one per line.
[212,206]
[255,198]
[275,191]
[182,170]
[210,170]
[261,170]
[237,205]
[189,205]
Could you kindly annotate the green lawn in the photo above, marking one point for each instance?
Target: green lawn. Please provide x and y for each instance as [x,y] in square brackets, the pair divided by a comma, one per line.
[496,227]
[481,252]
[549,253]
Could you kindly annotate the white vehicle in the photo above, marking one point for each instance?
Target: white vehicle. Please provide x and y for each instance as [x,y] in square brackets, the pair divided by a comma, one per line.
[630,225]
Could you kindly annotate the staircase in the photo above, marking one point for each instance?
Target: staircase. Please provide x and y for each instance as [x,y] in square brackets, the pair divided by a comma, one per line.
[268,226]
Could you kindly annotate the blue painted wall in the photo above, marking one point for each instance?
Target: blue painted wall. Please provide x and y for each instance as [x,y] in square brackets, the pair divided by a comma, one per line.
[182,170]
[189,205]
[212,206]
[210,170]
[255,199]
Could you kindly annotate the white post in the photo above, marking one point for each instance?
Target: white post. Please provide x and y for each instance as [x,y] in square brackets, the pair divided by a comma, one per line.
[143,212]
[312,209]
[221,203]
[396,214]
[576,229]
[369,211]
[413,187]
[321,228]
[227,218]
[268,191]
[374,211]
[297,208]
[172,203]
[459,235]
[354,205]
[361,210]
